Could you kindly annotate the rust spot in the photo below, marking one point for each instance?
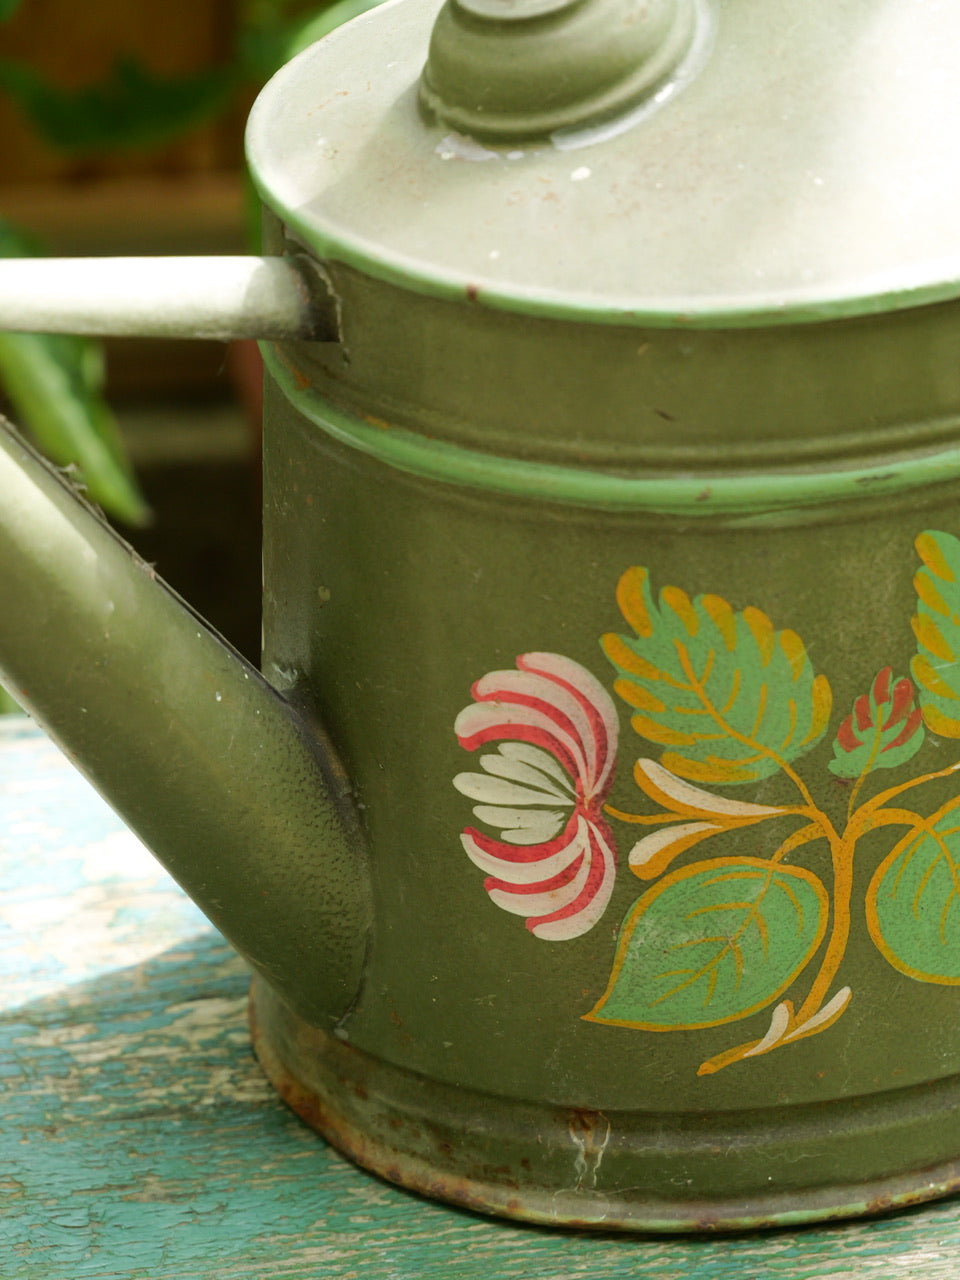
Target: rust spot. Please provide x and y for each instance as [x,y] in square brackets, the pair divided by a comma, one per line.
[360,1092]
[395,1018]
[472,292]
[377,422]
[880,1204]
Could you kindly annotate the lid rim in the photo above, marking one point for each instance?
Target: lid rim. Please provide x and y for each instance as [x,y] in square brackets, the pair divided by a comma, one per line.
[762,244]
[747,312]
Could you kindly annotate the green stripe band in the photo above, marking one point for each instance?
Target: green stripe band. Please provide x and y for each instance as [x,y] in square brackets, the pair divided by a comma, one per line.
[688,495]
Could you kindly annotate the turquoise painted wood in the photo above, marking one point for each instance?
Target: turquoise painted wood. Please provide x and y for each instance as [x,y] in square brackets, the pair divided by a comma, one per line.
[138,1138]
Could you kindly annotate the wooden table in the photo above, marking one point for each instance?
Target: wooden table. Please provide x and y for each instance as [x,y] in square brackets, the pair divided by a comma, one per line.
[138,1138]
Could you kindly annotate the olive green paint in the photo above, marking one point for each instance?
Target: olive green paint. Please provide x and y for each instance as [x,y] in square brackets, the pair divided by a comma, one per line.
[546,370]
[241,799]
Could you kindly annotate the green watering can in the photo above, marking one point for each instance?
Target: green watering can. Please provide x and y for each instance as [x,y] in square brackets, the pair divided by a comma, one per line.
[594,829]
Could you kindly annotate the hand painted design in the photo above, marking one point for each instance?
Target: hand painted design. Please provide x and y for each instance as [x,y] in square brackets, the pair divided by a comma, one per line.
[544,789]
[883,731]
[728,700]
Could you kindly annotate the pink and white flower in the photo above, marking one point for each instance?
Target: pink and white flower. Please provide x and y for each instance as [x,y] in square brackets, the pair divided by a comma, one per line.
[544,789]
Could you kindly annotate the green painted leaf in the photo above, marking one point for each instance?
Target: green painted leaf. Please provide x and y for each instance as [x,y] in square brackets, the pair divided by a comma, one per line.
[936,668]
[712,943]
[730,698]
[883,730]
[913,902]
[8,8]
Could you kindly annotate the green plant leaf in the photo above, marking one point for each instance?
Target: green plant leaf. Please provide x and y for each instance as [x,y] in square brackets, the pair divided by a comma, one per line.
[8,8]
[713,942]
[913,902]
[55,384]
[131,108]
[936,624]
[730,698]
[883,730]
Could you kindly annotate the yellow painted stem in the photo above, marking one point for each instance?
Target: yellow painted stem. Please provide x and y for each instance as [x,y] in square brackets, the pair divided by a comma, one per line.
[879,800]
[842,850]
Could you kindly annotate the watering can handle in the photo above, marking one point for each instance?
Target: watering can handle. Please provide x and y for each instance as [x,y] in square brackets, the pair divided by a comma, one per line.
[168,297]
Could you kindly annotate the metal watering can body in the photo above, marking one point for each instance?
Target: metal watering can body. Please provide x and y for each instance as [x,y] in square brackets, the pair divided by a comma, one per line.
[618,887]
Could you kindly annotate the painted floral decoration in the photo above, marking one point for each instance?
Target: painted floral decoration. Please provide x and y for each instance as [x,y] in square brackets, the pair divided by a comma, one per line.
[544,789]
[724,699]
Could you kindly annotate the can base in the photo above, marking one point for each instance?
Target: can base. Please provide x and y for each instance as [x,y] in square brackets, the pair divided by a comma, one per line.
[588,1169]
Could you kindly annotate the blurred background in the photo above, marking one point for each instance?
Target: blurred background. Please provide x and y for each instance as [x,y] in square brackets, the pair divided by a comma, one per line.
[122,133]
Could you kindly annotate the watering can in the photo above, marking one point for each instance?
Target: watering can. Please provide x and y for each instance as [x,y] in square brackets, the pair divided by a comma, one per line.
[593,830]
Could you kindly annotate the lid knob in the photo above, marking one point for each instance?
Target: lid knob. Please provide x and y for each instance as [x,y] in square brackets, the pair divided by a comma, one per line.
[512,69]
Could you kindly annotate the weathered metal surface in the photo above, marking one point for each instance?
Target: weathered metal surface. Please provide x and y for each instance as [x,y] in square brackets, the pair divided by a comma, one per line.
[806,168]
[139,1140]
[459,506]
[221,776]
[577,1167]
[165,297]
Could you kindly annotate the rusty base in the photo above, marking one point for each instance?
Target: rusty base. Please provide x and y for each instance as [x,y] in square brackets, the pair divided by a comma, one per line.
[612,1171]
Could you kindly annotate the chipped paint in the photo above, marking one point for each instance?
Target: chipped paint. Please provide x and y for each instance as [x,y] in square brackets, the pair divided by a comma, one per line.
[589,1133]
[170,1157]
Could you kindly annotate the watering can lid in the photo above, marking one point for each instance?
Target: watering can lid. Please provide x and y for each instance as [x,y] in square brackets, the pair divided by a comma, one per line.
[664,162]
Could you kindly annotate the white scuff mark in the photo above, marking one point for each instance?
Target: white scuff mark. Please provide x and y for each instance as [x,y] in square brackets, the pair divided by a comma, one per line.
[580,174]
[590,1133]
[457,146]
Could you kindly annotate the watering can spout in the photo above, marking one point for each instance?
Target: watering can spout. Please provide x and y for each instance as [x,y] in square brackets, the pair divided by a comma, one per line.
[220,776]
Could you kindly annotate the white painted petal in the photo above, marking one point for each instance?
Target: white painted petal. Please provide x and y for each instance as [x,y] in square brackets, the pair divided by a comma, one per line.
[543,835]
[663,837]
[539,759]
[519,872]
[555,731]
[570,718]
[490,790]
[830,1010]
[588,687]
[691,797]
[543,904]
[584,920]
[519,771]
[778,1025]
[523,826]
[502,718]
